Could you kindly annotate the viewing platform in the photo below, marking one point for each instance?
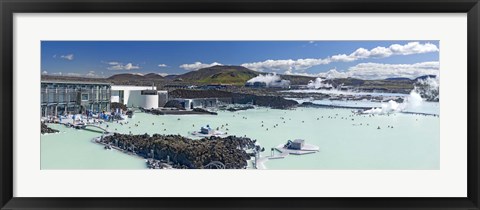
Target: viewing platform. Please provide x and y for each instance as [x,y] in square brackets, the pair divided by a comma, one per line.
[296,147]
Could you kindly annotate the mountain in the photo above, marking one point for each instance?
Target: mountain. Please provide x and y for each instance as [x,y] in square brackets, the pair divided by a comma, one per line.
[153,76]
[126,76]
[236,75]
[135,76]
[398,78]
[171,76]
[425,77]
[297,79]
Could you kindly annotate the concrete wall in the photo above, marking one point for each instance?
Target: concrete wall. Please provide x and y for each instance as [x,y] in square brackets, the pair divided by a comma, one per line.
[162,98]
[131,95]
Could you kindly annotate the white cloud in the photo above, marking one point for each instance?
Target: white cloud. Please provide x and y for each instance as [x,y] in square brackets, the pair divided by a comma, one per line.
[198,65]
[333,73]
[67,57]
[91,74]
[284,65]
[139,74]
[44,72]
[120,66]
[289,72]
[358,54]
[413,48]
[73,74]
[162,65]
[383,71]
[163,74]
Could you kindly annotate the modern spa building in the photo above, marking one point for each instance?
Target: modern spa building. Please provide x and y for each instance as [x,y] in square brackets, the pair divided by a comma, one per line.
[191,103]
[64,97]
[147,97]
[59,98]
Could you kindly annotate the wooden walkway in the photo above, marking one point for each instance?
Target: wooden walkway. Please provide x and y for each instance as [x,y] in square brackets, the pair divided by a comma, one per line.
[307,149]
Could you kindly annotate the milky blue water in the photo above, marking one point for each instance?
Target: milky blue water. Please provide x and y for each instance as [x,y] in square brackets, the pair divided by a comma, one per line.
[346,141]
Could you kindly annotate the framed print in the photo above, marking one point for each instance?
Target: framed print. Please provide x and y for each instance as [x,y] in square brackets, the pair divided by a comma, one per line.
[296,105]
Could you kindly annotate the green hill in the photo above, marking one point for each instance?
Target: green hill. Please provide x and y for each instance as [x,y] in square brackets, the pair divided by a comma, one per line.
[236,75]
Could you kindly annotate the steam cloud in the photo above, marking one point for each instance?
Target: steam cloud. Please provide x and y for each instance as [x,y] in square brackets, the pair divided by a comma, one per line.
[428,88]
[270,80]
[318,83]
[411,101]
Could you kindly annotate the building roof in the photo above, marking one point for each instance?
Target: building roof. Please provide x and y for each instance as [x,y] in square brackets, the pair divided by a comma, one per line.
[133,87]
[75,82]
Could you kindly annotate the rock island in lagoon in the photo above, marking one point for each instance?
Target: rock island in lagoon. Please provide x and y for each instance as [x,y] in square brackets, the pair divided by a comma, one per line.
[246,116]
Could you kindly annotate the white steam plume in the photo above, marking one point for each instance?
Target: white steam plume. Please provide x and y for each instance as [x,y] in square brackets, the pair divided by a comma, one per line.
[429,88]
[411,101]
[270,80]
[318,83]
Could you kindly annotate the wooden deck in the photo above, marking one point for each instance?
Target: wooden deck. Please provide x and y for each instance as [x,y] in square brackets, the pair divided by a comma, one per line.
[307,149]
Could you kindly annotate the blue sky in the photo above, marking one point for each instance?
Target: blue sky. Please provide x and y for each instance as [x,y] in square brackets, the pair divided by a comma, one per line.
[362,59]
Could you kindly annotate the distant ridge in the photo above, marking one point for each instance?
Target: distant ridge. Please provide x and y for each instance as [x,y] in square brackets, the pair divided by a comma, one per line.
[126,76]
[153,76]
[171,76]
[425,77]
[220,74]
[398,78]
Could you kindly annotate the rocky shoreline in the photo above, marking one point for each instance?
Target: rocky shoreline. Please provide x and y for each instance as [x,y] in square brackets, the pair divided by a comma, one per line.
[238,108]
[271,101]
[312,105]
[45,129]
[184,153]
[177,111]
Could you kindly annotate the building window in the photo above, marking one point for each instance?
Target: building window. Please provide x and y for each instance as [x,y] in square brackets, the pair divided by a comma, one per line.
[84,96]
[148,92]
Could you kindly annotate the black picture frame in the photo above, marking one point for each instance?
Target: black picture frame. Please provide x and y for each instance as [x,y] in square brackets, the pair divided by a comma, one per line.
[10,7]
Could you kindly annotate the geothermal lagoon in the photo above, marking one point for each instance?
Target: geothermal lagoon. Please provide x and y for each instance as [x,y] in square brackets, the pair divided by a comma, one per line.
[394,141]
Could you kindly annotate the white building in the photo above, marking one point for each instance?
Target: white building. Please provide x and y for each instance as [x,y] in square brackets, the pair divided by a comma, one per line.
[138,96]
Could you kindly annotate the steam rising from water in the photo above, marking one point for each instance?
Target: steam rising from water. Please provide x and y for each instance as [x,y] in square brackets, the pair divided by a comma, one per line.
[318,83]
[411,101]
[428,87]
[270,80]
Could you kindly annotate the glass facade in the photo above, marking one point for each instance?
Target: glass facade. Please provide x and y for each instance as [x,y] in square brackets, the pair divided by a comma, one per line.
[60,98]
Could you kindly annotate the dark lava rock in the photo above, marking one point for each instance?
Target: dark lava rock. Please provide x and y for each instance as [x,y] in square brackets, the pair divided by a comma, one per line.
[275,102]
[186,153]
[203,111]
[182,93]
[46,129]
[234,109]
[174,104]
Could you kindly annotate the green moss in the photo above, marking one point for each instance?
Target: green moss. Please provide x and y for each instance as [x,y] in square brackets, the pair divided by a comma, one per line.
[229,77]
